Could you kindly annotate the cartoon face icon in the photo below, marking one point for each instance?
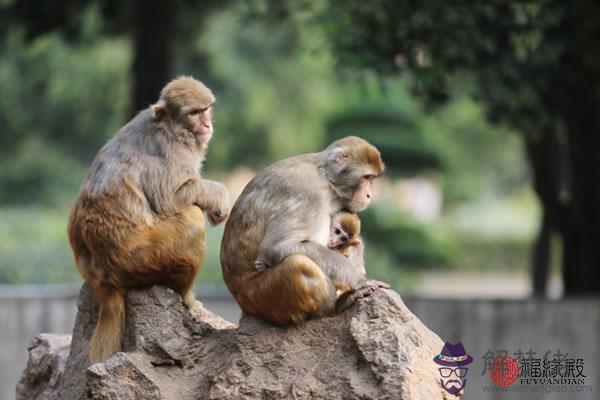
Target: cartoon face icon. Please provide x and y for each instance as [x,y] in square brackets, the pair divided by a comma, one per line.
[453,379]
[453,373]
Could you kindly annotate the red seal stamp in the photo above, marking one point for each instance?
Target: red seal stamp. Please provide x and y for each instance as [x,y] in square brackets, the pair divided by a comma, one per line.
[504,370]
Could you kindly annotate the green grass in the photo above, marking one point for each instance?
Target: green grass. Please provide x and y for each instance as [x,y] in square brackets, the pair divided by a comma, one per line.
[34,246]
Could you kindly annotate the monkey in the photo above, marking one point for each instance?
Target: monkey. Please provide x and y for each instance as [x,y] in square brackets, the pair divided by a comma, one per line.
[345,239]
[274,253]
[138,219]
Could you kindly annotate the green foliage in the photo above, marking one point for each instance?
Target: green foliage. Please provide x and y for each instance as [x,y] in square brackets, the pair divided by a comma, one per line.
[517,52]
[273,97]
[398,135]
[485,254]
[60,103]
[74,97]
[469,154]
[480,159]
[39,174]
[34,246]
[279,94]
[407,243]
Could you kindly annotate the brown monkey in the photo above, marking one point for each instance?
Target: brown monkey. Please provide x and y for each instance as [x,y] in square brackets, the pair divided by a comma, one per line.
[345,238]
[138,219]
[274,255]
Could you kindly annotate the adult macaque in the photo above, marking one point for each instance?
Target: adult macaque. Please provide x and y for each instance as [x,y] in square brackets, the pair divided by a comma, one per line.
[274,251]
[138,219]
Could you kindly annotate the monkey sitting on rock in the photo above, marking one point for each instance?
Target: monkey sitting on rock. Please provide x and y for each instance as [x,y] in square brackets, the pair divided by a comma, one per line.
[138,219]
[274,252]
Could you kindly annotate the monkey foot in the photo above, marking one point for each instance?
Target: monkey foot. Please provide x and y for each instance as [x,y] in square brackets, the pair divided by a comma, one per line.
[348,299]
[216,217]
[198,311]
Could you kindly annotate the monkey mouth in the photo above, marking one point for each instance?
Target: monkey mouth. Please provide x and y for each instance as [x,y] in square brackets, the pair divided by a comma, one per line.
[204,135]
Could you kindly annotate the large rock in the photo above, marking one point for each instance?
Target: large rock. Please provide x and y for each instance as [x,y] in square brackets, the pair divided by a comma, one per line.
[375,350]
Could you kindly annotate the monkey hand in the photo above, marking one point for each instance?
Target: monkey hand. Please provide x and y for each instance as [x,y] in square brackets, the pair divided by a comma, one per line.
[214,199]
[349,298]
[217,216]
[220,212]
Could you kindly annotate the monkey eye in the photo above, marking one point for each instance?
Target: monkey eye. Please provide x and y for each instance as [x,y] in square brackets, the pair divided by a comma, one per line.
[370,177]
[196,111]
[337,231]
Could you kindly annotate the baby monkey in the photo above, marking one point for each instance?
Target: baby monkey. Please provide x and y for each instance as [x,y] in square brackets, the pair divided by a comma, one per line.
[345,239]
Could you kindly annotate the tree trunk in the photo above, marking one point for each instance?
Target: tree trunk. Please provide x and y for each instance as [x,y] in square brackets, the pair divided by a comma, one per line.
[581,257]
[541,257]
[547,158]
[153,31]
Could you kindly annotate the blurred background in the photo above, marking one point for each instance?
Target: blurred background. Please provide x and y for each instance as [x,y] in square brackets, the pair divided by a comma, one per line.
[487,116]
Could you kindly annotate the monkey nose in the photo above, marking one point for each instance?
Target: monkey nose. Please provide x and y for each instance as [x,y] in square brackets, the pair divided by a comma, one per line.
[344,239]
[368,195]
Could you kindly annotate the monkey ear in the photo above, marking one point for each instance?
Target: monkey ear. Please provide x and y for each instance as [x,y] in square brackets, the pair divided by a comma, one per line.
[159,110]
[342,158]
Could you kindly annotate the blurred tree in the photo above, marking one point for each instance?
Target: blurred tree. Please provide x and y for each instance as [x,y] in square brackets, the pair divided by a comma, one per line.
[275,84]
[60,103]
[535,65]
[152,25]
[402,142]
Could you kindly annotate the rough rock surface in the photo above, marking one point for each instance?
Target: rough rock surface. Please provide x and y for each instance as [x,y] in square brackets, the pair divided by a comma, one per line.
[375,350]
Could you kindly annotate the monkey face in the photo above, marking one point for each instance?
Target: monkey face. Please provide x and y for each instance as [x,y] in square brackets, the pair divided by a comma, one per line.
[362,195]
[338,237]
[351,166]
[199,121]
[345,228]
[186,104]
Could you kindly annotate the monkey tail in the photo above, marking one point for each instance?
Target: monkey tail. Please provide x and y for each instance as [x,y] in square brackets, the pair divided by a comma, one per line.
[108,334]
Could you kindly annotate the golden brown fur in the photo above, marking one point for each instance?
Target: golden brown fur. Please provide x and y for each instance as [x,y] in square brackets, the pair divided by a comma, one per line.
[138,218]
[345,239]
[274,255]
[345,232]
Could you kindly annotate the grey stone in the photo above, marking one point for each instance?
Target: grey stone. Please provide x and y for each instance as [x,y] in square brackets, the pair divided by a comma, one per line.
[376,349]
